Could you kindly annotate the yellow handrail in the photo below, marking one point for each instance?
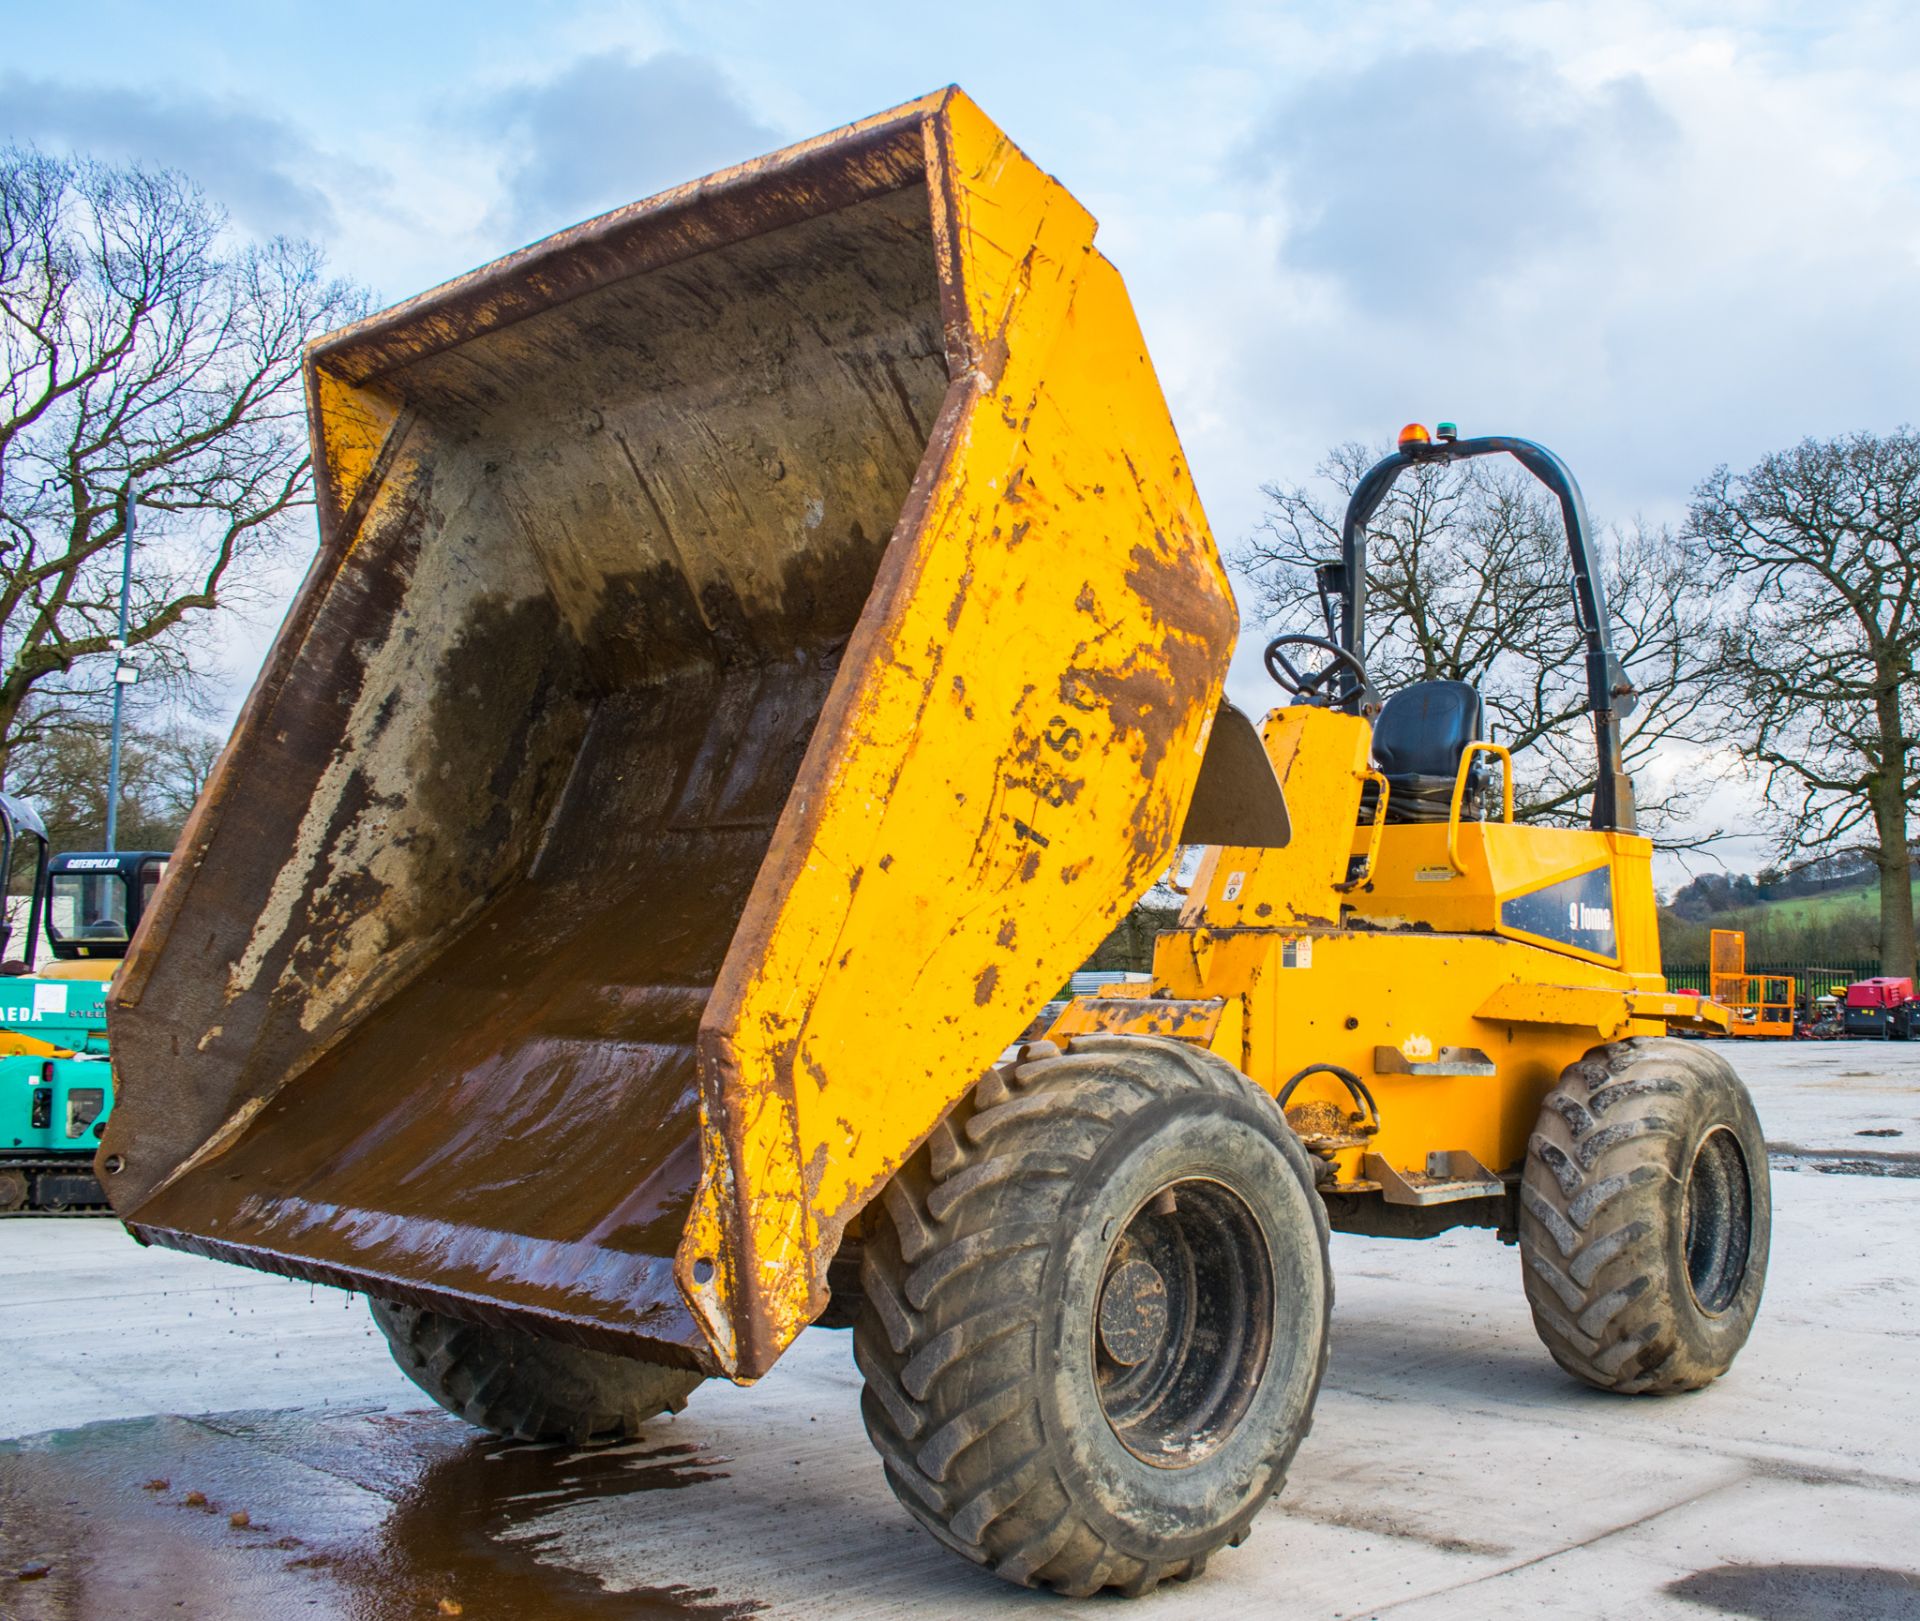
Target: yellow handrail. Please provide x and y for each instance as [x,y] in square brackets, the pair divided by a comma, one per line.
[1460,794]
[1373,840]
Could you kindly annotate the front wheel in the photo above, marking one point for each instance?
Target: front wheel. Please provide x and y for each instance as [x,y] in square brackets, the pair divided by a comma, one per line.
[518,1384]
[1096,1315]
[1645,1216]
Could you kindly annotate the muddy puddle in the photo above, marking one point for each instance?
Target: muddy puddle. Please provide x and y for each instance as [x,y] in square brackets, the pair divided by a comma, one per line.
[1844,1161]
[1803,1592]
[361,1515]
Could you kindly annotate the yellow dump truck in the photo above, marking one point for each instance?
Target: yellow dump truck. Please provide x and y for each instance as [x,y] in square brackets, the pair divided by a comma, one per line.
[761,641]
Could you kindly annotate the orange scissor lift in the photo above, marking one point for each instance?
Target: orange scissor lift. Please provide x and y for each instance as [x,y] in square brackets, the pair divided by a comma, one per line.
[1762,1004]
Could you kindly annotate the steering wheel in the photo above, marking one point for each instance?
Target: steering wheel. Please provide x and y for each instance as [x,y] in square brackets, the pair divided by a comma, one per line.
[1287,676]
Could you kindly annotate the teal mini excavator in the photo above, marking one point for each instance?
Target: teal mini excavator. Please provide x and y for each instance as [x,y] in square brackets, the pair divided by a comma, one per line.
[56,1085]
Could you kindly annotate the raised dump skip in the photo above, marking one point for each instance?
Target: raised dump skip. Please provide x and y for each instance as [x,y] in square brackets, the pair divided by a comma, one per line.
[760,640]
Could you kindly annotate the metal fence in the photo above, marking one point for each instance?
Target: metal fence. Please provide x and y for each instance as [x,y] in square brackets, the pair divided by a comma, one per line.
[1812,980]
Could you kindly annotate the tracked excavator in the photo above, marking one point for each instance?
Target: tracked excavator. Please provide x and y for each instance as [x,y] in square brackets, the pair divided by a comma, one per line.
[56,1084]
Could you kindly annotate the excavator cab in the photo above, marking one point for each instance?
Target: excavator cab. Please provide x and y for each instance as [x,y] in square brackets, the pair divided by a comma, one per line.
[87,902]
[95,901]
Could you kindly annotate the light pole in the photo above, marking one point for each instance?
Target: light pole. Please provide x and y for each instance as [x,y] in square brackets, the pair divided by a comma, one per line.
[124,676]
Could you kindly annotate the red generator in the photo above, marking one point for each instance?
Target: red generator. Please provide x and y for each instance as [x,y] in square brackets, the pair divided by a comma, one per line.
[1883,1008]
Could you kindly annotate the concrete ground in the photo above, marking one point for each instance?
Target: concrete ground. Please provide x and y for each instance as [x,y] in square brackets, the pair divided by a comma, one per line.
[192,1439]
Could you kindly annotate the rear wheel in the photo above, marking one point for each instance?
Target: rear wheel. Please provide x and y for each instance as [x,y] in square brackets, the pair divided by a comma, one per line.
[1096,1315]
[518,1384]
[1645,1217]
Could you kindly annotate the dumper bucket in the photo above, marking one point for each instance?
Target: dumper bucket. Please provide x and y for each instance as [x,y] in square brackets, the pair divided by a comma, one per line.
[760,641]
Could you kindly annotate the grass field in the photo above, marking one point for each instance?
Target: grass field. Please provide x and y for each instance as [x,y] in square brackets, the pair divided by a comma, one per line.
[1830,907]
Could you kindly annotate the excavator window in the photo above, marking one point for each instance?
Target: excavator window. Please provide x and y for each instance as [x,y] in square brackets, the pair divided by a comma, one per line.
[88,906]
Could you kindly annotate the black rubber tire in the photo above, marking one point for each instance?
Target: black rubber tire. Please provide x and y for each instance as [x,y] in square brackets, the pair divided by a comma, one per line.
[520,1385]
[985,1261]
[1645,1217]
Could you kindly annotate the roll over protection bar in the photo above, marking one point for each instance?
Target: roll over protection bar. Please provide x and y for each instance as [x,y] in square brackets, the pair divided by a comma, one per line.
[1343,587]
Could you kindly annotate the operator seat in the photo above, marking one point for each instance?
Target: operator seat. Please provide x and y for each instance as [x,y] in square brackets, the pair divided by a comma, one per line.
[1418,740]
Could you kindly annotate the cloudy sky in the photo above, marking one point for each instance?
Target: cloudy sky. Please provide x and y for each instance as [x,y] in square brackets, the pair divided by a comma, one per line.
[1657,237]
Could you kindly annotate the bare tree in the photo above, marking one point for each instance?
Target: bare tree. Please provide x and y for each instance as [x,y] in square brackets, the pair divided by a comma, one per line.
[141,350]
[1469,580]
[65,775]
[1817,549]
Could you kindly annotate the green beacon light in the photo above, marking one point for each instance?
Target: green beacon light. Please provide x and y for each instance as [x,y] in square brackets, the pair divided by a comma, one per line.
[1446,432]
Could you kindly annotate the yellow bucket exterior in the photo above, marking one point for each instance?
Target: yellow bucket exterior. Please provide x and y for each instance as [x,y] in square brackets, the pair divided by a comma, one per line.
[761,640]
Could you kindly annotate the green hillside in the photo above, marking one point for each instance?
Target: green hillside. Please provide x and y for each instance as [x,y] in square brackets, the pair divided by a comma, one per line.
[1839,926]
[1830,907]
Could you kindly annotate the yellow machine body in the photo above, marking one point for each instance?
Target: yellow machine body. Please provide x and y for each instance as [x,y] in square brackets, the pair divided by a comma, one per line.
[1392,952]
[761,641]
[88,968]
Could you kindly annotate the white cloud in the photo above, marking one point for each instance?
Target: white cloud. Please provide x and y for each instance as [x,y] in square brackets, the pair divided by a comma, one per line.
[1430,173]
[608,128]
[257,165]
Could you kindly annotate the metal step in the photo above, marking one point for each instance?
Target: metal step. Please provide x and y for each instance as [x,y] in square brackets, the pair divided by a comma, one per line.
[1445,1061]
[1450,1174]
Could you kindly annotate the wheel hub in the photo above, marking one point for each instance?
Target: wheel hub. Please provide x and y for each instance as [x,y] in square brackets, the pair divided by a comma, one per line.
[1184,1323]
[1133,1313]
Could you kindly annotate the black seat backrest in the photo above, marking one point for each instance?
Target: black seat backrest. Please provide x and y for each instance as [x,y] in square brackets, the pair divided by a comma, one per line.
[1421,733]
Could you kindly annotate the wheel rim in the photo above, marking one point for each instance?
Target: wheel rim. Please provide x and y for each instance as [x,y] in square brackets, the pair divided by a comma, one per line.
[1719,1220]
[1183,1323]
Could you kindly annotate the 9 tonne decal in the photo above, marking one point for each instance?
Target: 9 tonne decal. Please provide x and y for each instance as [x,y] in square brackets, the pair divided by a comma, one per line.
[1576,912]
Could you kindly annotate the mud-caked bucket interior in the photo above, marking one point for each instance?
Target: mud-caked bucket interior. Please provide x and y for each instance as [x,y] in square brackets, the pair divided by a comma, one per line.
[602,577]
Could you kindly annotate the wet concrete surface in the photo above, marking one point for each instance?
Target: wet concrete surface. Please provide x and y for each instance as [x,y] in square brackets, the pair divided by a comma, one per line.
[371,1515]
[1452,1471]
